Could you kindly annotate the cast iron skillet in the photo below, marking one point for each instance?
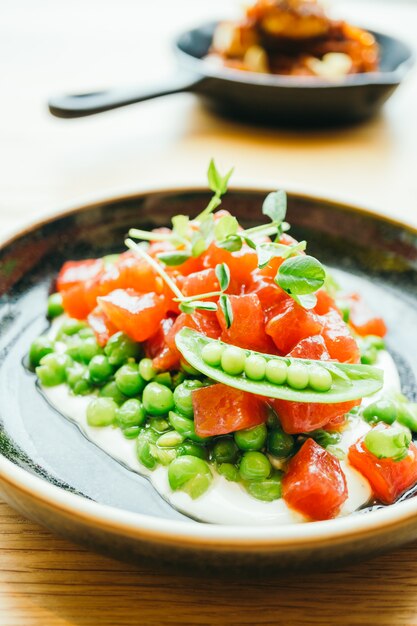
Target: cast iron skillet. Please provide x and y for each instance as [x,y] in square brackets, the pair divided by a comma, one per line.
[258,97]
[53,474]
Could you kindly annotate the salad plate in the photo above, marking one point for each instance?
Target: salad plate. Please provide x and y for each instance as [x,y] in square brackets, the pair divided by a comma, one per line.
[53,471]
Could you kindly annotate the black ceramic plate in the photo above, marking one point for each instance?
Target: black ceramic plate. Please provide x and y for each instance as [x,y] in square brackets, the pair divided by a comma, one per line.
[50,472]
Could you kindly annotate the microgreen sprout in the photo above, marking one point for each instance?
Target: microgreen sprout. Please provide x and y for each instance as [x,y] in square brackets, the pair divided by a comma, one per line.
[217,184]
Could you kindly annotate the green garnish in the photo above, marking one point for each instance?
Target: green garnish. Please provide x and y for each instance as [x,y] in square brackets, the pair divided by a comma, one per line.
[300,277]
[349,381]
[391,442]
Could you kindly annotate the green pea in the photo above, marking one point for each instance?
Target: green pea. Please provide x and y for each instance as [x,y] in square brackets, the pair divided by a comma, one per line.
[183,396]
[170,439]
[266,490]
[130,413]
[369,356]
[100,369]
[128,380]
[70,327]
[319,378]
[407,415]
[78,379]
[101,412]
[190,474]
[40,348]
[233,360]
[157,399]
[255,367]
[280,444]
[120,348]
[272,420]
[163,455]
[382,410]
[344,309]
[88,349]
[146,369]
[131,432]
[229,471]
[111,390]
[251,438]
[225,450]
[388,442]
[255,466]
[276,371]
[212,353]
[55,308]
[164,378]
[159,424]
[297,376]
[52,369]
[86,332]
[192,449]
[184,426]
[144,444]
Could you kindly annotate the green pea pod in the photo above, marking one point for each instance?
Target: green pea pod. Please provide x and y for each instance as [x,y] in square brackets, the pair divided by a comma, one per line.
[349,381]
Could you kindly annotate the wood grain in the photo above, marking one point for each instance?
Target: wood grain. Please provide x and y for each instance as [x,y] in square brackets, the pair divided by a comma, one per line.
[48,47]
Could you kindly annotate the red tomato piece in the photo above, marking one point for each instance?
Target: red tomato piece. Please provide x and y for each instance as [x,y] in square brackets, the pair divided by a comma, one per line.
[240,263]
[74,301]
[197,283]
[315,484]
[137,315]
[338,338]
[389,479]
[163,358]
[303,417]
[219,409]
[291,324]
[270,295]
[248,328]
[311,348]
[203,322]
[75,272]
[101,325]
[362,320]
[325,303]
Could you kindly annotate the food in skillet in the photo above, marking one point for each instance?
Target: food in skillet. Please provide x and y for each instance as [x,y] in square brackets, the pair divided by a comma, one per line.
[294,38]
[228,366]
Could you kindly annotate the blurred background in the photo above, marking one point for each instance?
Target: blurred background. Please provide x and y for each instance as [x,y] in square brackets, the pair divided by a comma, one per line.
[50,47]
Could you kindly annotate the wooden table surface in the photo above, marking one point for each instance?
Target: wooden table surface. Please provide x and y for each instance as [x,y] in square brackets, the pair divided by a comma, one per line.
[49,47]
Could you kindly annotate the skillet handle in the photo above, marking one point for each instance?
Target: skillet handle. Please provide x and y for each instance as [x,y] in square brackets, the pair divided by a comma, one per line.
[81,105]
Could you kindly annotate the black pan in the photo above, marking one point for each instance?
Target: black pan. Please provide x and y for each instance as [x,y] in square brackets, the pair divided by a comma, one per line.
[258,97]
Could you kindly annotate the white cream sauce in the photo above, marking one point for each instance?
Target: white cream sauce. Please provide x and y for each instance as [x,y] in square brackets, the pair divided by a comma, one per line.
[224,502]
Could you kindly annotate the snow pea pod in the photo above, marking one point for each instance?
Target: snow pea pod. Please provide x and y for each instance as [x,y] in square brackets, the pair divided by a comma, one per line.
[349,381]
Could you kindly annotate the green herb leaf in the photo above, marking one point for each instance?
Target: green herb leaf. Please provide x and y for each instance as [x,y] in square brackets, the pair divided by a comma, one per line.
[226,309]
[174,258]
[180,225]
[268,251]
[301,275]
[249,242]
[190,307]
[223,275]
[275,206]
[198,245]
[227,225]
[232,243]
[217,182]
